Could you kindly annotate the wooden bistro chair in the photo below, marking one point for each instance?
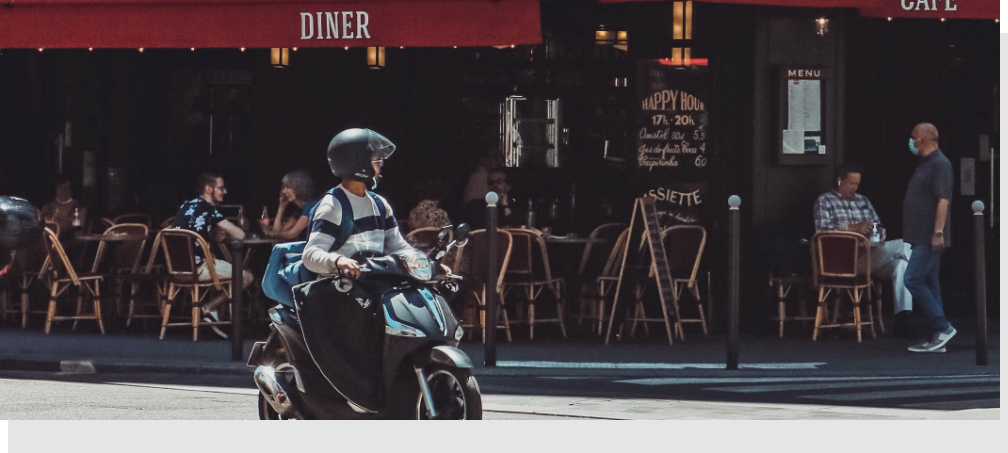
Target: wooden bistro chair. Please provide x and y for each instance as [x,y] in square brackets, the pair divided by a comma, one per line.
[179,248]
[124,260]
[835,256]
[595,263]
[30,265]
[133,217]
[61,277]
[529,270]
[684,247]
[154,274]
[471,262]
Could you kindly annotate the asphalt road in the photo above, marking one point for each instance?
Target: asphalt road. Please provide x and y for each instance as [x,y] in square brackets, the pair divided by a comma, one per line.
[64,396]
[155,396]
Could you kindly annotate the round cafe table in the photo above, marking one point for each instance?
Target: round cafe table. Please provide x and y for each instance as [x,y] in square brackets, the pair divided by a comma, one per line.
[572,240]
[565,262]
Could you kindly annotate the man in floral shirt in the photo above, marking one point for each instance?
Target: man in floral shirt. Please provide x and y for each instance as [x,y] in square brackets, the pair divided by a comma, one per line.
[201,216]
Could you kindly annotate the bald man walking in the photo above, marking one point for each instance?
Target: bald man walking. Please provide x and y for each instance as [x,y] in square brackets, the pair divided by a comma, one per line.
[925,227]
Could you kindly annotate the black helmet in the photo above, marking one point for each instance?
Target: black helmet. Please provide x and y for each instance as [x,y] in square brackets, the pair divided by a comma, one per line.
[352,151]
[19,224]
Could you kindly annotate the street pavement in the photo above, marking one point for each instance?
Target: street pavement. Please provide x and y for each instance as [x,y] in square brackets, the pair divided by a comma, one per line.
[637,378]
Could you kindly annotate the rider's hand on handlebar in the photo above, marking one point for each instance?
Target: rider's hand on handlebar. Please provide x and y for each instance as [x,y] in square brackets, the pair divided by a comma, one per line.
[348,267]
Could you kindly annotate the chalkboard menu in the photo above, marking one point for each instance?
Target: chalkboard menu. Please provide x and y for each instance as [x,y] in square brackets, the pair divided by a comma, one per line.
[673,157]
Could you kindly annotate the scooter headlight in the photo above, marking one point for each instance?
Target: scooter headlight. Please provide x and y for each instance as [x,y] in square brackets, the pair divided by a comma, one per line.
[418,265]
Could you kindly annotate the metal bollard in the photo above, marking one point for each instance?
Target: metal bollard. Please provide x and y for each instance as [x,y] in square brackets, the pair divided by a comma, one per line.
[980,282]
[237,293]
[490,326]
[734,243]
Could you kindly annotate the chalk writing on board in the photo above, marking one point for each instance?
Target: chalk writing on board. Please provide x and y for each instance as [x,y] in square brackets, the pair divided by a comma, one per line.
[674,148]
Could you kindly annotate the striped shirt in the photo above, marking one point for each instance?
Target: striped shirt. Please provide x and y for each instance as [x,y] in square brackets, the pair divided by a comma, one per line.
[322,251]
[835,213]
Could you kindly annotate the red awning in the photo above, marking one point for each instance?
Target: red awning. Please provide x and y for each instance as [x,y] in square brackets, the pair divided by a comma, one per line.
[952,9]
[267,23]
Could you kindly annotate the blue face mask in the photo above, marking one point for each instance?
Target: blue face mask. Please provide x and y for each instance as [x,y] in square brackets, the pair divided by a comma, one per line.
[913,149]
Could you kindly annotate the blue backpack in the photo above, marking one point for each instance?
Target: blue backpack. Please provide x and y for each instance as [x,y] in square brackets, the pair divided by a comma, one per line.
[285,268]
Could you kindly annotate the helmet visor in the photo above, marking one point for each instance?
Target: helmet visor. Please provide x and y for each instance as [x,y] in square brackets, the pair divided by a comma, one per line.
[381,147]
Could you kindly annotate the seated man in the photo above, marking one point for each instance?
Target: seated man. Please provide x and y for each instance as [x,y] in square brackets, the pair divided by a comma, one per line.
[475,210]
[65,211]
[843,209]
[201,215]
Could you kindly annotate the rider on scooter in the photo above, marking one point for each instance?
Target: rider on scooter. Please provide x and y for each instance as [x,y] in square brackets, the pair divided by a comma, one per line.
[356,156]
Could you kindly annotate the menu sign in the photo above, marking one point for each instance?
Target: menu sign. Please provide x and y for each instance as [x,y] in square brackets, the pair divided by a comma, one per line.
[672,155]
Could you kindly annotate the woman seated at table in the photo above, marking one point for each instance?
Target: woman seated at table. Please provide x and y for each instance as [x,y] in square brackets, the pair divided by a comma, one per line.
[297,198]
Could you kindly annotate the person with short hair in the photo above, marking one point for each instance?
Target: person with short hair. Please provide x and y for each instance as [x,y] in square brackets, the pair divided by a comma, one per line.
[64,208]
[475,210]
[297,191]
[843,209]
[201,216]
[476,186]
[926,227]
[428,213]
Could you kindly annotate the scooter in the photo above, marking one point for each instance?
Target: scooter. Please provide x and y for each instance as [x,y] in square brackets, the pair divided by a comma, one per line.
[20,227]
[382,346]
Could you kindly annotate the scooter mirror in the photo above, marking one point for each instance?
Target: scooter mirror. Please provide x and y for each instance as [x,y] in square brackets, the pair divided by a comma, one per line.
[462,232]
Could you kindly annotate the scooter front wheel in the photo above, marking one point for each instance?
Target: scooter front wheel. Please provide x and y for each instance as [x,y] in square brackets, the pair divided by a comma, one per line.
[455,393]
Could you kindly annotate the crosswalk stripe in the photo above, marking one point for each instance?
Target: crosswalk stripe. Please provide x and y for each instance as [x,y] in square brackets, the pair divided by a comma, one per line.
[861,396]
[849,385]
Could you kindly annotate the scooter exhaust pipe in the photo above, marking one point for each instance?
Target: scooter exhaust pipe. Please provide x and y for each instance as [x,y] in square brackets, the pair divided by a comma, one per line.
[276,395]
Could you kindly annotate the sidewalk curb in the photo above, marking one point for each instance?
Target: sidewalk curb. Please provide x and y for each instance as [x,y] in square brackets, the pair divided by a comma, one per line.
[612,370]
[96,366]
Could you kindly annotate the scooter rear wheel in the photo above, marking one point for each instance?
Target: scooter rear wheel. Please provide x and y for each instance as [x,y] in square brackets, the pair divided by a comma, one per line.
[456,395]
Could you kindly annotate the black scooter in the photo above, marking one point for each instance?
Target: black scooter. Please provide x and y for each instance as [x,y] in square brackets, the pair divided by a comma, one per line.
[383,346]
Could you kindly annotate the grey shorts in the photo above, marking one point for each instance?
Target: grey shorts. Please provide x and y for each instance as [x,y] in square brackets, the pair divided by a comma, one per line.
[222,267]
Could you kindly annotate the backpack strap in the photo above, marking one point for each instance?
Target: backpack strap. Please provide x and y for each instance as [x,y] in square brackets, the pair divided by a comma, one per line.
[347,223]
[381,209]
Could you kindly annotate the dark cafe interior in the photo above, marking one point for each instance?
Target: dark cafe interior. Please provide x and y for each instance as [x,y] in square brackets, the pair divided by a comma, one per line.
[562,106]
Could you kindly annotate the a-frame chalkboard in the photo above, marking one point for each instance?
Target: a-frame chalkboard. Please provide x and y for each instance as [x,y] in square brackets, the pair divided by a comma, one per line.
[649,232]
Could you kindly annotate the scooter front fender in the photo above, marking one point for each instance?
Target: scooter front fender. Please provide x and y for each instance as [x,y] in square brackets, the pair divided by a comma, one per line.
[444,355]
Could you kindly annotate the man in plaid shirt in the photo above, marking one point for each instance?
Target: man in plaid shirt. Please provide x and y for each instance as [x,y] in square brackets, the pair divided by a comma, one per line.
[843,209]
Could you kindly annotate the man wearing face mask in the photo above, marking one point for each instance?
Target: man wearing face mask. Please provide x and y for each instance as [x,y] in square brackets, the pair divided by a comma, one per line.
[926,227]
[843,209]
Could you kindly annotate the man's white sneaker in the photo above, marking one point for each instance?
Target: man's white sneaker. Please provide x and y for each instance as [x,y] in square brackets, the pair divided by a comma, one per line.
[937,343]
[926,346]
[212,316]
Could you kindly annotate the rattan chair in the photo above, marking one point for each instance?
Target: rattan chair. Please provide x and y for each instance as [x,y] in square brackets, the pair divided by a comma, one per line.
[684,247]
[30,265]
[835,256]
[182,273]
[61,277]
[529,271]
[596,263]
[471,262]
[124,262]
[133,217]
